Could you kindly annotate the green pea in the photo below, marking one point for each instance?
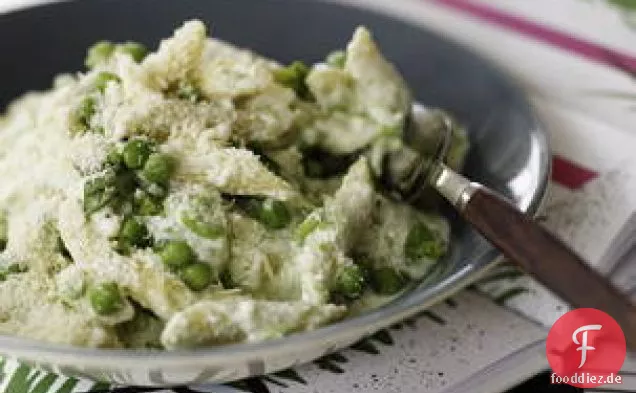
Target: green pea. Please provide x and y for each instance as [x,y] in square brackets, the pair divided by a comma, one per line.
[114,158]
[105,298]
[421,242]
[80,117]
[99,53]
[102,79]
[136,153]
[158,168]
[293,76]
[147,205]
[177,254]
[99,192]
[133,232]
[387,281]
[337,58]
[350,282]
[275,214]
[3,275]
[197,276]
[136,50]
[202,229]
[270,212]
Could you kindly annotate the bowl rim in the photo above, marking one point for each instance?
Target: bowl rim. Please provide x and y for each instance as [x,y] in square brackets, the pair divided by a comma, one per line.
[370,321]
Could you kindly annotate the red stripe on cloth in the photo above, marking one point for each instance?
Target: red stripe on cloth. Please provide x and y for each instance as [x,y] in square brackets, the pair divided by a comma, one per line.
[569,174]
[587,49]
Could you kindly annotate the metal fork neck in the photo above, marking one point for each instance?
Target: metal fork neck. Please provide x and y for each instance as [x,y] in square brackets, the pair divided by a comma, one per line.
[452,186]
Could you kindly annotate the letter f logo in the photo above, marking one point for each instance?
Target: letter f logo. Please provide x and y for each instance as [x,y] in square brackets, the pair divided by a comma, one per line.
[583,344]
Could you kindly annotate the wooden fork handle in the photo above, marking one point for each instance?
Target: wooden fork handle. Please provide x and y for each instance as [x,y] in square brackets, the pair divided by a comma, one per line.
[547,258]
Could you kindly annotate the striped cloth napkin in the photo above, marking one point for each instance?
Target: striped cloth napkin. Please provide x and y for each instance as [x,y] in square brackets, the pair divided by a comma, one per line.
[576,59]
